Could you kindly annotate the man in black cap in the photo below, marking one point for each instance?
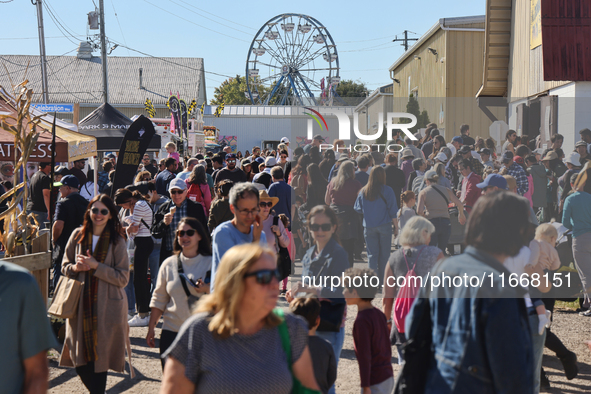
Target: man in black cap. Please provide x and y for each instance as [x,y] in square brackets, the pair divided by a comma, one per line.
[231,172]
[39,194]
[58,174]
[76,170]
[477,166]
[316,141]
[69,214]
[485,158]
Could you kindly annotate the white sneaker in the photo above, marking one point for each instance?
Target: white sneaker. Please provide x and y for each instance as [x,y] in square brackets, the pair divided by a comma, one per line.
[137,321]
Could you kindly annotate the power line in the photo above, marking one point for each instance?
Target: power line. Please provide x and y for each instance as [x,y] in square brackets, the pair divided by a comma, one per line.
[203,16]
[193,23]
[369,49]
[117,17]
[58,24]
[31,38]
[25,66]
[227,20]
[64,25]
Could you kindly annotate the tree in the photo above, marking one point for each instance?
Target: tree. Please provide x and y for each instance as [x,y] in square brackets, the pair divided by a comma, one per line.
[350,88]
[412,107]
[231,92]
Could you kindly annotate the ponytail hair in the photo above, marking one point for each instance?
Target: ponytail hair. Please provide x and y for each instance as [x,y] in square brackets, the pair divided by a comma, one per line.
[124,195]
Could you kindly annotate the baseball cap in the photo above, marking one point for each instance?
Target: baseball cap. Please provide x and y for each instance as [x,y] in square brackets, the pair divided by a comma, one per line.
[494,180]
[507,156]
[550,156]
[459,139]
[518,160]
[111,156]
[270,161]
[318,137]
[259,160]
[68,180]
[245,162]
[581,143]
[484,151]
[177,183]
[230,156]
[61,170]
[573,158]
[285,140]
[441,157]
[464,149]
[431,175]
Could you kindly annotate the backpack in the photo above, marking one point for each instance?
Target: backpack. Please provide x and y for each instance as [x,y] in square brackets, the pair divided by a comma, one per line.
[407,293]
[194,193]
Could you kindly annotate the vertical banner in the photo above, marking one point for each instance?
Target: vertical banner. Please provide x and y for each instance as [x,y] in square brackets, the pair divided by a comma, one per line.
[184,117]
[175,115]
[134,145]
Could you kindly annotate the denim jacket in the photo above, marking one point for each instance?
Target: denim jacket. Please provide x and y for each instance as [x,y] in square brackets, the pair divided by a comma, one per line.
[481,340]
[335,261]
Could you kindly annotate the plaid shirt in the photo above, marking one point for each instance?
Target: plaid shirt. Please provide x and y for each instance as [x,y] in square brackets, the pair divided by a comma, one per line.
[517,172]
[477,166]
[103,180]
[180,213]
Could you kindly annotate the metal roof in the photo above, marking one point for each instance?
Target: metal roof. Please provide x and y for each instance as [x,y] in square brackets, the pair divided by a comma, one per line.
[381,91]
[74,80]
[443,23]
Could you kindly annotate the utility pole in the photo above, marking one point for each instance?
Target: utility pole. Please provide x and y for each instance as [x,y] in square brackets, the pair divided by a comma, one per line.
[103,51]
[42,51]
[405,40]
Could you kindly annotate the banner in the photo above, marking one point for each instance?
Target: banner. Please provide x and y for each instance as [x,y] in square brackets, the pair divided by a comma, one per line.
[134,145]
[184,117]
[174,105]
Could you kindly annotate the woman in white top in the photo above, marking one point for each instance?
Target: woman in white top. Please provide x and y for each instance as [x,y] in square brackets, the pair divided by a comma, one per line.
[191,264]
[272,231]
[139,229]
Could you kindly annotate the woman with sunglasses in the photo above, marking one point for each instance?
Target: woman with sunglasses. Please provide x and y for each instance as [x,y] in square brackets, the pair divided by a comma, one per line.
[232,343]
[138,229]
[96,338]
[182,279]
[325,259]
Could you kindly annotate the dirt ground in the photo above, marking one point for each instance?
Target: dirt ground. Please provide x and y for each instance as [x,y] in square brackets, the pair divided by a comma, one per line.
[571,328]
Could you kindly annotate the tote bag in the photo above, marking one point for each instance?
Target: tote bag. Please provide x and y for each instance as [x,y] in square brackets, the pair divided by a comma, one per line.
[66,298]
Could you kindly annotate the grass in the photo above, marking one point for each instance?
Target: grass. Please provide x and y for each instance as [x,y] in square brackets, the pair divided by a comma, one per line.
[574,305]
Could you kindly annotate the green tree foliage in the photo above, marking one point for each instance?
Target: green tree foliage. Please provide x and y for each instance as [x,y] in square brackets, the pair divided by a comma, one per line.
[231,92]
[412,107]
[350,88]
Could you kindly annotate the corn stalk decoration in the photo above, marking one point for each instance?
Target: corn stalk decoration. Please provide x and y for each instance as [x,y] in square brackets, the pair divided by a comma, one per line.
[18,226]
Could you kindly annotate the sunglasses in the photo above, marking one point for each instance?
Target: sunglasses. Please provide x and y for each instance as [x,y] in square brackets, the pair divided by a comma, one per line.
[190,233]
[263,204]
[264,277]
[324,227]
[176,191]
[230,161]
[103,211]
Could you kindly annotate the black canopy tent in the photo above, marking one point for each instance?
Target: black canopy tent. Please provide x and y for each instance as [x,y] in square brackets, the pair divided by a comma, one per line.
[109,126]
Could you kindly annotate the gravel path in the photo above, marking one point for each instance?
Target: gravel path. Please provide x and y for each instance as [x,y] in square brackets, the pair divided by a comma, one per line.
[573,329]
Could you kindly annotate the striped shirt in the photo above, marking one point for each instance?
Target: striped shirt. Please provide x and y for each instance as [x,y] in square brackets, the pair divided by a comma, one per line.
[141,211]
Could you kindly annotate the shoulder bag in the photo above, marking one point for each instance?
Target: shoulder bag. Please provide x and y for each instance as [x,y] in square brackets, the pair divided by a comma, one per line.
[453,210]
[297,387]
[407,294]
[66,298]
[191,299]
[283,259]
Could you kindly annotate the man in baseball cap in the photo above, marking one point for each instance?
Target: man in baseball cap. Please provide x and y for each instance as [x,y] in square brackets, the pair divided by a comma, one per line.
[516,171]
[316,141]
[581,149]
[170,213]
[493,182]
[231,172]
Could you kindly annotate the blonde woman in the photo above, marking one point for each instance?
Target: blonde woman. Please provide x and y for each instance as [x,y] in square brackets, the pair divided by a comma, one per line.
[232,344]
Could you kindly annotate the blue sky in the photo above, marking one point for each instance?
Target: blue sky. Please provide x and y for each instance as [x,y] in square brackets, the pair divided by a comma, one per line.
[221,32]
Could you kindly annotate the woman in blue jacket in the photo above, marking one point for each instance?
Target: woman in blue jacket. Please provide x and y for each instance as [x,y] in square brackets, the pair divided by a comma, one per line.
[324,261]
[377,203]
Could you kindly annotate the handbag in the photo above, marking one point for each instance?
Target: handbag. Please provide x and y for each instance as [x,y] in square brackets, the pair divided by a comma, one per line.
[407,294]
[66,298]
[131,251]
[191,299]
[297,387]
[283,259]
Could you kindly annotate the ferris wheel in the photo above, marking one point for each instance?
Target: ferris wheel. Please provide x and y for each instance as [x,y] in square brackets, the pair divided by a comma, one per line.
[292,60]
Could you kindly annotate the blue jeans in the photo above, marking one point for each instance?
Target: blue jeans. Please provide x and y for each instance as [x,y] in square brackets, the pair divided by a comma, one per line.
[440,237]
[130,291]
[379,244]
[154,265]
[336,339]
[538,347]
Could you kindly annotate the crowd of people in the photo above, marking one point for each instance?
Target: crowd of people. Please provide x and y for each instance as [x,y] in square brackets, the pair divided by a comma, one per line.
[207,244]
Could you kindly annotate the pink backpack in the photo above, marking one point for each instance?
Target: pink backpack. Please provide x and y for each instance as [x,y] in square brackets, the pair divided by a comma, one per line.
[407,294]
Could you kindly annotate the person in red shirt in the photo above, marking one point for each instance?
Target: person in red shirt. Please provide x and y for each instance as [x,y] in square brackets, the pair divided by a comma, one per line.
[371,337]
[470,191]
